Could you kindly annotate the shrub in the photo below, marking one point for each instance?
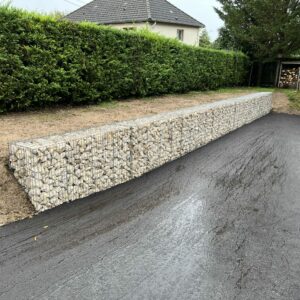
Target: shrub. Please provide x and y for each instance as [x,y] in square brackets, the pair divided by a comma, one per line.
[45,62]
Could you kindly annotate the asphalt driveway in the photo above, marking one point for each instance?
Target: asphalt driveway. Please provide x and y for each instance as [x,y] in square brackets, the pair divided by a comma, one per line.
[220,223]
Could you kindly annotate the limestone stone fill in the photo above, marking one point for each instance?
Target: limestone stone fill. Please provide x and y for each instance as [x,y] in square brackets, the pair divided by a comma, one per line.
[62,168]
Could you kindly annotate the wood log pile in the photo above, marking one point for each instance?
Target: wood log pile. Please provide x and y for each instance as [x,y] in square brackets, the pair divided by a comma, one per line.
[289,78]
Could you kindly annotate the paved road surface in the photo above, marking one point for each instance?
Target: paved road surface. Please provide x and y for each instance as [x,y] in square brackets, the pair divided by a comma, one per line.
[220,223]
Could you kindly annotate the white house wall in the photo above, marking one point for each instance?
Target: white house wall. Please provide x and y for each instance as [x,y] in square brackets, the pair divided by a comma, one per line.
[191,34]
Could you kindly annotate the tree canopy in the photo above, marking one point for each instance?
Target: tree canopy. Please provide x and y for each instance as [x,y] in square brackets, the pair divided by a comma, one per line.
[264,29]
[6,3]
[204,40]
[226,41]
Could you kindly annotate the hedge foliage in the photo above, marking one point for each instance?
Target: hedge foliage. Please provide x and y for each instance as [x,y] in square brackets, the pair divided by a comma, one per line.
[45,62]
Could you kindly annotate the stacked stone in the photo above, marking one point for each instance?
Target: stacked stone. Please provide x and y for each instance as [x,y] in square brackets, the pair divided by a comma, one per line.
[67,167]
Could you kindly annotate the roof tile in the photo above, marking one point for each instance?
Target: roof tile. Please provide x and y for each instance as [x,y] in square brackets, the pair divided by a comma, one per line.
[128,11]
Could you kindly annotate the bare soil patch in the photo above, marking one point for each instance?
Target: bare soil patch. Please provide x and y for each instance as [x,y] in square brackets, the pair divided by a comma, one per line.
[14,204]
[281,104]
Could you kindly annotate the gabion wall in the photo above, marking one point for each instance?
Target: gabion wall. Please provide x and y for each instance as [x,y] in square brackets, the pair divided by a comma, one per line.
[63,168]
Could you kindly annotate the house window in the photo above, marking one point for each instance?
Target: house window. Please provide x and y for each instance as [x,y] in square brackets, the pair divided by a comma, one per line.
[180,34]
[129,28]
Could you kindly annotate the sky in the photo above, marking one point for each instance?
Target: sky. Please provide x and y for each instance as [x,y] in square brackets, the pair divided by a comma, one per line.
[202,10]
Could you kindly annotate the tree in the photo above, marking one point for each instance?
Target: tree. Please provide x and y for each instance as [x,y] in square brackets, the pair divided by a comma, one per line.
[56,14]
[6,3]
[204,40]
[264,29]
[226,41]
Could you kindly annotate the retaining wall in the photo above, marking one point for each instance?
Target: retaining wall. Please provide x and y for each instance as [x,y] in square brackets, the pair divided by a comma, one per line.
[62,168]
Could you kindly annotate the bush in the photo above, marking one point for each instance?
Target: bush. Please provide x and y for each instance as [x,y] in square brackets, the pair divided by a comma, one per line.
[45,62]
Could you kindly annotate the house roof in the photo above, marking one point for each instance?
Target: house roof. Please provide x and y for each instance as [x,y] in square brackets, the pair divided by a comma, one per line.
[132,11]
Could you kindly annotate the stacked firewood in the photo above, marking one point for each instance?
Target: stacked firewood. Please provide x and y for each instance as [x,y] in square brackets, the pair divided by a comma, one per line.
[289,78]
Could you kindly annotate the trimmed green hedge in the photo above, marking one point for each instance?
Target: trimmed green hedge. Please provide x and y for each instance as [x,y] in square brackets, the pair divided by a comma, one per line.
[45,62]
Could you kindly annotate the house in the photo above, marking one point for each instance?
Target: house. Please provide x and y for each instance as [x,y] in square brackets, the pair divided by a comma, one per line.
[158,16]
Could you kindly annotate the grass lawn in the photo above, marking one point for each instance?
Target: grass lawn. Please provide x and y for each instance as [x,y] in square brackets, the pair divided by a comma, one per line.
[294,98]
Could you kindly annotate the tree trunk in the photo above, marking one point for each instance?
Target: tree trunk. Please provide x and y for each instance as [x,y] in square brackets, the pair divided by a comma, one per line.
[250,75]
[277,77]
[260,71]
